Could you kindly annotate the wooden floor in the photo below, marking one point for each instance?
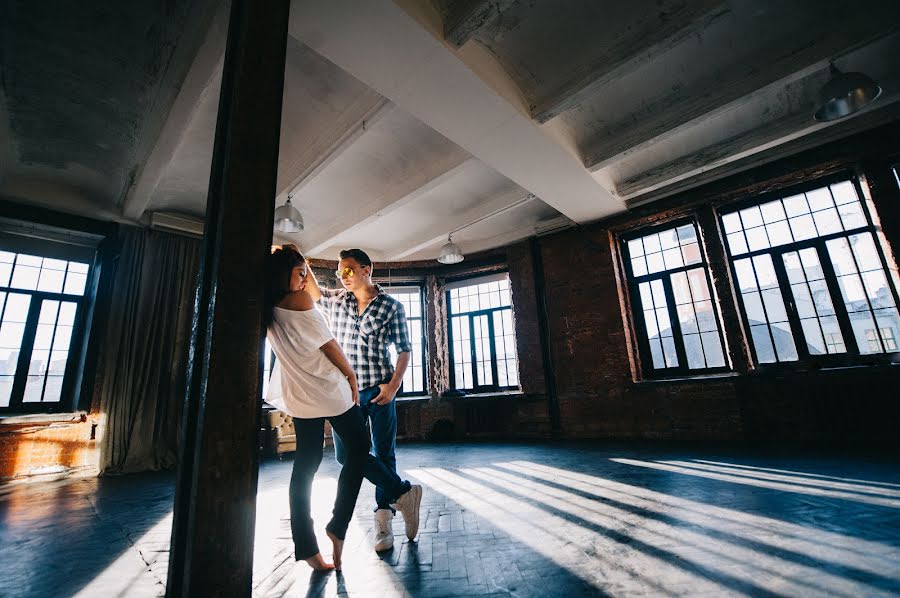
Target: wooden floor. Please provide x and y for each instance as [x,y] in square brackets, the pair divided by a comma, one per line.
[505,520]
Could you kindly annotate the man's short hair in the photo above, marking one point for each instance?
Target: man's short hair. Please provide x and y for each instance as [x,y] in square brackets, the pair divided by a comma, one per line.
[361,257]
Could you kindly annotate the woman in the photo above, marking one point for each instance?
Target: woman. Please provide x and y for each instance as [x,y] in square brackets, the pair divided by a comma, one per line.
[312,382]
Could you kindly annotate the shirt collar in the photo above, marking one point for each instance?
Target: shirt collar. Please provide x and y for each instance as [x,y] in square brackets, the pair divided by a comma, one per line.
[351,298]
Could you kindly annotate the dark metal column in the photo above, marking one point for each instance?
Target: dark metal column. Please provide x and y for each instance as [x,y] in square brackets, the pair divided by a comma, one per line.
[215,500]
[540,293]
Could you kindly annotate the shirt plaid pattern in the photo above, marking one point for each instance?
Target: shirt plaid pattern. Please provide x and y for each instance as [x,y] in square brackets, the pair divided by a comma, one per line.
[365,339]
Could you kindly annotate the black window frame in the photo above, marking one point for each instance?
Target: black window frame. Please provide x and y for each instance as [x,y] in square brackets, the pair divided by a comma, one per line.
[70,391]
[471,315]
[633,282]
[402,393]
[805,360]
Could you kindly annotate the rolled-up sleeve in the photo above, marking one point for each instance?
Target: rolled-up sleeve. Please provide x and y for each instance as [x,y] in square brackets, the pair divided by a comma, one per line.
[399,330]
[330,296]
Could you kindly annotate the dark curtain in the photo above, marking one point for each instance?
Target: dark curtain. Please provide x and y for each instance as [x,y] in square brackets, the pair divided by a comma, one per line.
[144,353]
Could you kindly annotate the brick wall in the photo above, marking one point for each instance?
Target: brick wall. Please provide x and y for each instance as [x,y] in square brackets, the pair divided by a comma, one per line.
[597,371]
[601,393]
[29,448]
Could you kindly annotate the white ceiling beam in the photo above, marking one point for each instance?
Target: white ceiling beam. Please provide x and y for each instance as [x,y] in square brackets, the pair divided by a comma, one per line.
[844,128]
[425,78]
[362,217]
[756,141]
[483,211]
[202,74]
[465,21]
[344,132]
[678,25]
[781,65]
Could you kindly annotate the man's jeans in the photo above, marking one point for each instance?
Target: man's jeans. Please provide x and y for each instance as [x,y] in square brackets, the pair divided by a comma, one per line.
[381,468]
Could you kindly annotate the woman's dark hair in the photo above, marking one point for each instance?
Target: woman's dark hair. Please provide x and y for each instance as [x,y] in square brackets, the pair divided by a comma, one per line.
[278,276]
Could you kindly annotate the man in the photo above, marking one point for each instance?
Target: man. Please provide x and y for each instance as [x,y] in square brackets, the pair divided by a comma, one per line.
[366,321]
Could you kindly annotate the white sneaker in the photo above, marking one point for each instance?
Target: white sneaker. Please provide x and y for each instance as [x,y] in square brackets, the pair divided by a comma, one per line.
[409,504]
[384,532]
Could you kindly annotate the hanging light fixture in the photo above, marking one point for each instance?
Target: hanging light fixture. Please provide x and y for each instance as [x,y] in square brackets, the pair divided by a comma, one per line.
[450,252]
[844,94]
[288,218]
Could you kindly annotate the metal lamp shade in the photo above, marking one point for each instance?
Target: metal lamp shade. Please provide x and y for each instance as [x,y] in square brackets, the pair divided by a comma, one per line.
[450,254]
[844,94]
[288,219]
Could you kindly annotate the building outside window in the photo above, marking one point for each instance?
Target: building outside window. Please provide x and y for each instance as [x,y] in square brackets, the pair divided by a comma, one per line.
[415,381]
[43,301]
[676,320]
[814,285]
[482,338]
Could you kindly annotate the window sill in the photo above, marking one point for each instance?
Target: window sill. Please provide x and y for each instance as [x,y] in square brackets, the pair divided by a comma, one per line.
[413,399]
[43,418]
[500,394]
[768,372]
[688,379]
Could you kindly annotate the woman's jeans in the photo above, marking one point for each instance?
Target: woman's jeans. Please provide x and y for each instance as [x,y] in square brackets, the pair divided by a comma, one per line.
[381,468]
[351,428]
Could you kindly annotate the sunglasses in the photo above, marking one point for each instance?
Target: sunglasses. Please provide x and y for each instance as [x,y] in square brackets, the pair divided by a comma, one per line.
[345,273]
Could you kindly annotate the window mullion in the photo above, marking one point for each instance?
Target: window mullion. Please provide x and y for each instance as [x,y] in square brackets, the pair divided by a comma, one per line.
[450,350]
[476,381]
[494,377]
[837,300]
[640,325]
[675,323]
[25,349]
[790,304]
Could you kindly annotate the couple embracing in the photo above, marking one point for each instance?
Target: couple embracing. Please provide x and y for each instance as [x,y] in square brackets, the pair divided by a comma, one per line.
[344,375]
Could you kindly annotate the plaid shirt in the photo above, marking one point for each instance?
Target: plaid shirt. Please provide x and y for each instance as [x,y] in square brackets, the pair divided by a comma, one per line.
[366,338]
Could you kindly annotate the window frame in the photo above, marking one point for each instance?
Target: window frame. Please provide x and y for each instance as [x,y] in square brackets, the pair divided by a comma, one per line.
[805,360]
[471,315]
[640,327]
[69,393]
[424,355]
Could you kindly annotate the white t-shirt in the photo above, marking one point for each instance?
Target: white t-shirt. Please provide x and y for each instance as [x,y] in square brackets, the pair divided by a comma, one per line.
[304,382]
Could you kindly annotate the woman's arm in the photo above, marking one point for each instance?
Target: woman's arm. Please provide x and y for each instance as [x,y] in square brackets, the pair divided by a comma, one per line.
[332,351]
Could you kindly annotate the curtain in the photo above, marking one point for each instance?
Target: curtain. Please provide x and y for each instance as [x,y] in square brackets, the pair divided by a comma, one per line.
[144,353]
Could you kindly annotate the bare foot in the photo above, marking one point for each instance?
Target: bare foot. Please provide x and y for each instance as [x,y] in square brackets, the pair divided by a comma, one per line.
[338,549]
[318,563]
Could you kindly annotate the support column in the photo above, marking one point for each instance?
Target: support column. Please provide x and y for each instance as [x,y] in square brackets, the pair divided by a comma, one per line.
[215,499]
[540,293]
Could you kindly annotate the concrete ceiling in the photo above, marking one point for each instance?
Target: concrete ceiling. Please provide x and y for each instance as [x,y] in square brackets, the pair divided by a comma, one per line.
[406,120]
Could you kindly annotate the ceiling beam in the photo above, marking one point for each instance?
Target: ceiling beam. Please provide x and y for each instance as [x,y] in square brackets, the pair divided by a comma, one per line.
[425,78]
[844,128]
[352,124]
[483,211]
[467,17]
[678,25]
[776,67]
[763,138]
[202,76]
[363,216]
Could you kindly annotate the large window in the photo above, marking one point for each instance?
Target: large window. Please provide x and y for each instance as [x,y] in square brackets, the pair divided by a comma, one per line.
[676,321]
[415,380]
[813,283]
[42,301]
[482,338]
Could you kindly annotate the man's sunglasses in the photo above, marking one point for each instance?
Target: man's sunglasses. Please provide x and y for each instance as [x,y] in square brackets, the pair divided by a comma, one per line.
[345,273]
